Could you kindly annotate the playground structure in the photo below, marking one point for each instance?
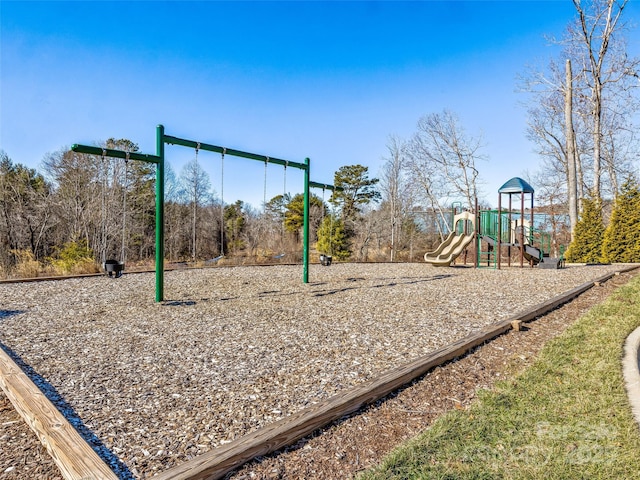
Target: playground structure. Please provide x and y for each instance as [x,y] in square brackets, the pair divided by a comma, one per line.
[114,267]
[496,231]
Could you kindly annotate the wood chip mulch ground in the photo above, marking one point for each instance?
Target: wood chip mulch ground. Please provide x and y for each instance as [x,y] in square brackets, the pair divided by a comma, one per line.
[338,451]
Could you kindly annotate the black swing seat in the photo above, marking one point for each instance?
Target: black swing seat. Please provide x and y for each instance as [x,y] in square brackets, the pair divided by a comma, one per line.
[325,259]
[113,267]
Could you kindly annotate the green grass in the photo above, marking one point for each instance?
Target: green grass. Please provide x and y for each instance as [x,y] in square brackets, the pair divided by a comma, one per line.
[566,417]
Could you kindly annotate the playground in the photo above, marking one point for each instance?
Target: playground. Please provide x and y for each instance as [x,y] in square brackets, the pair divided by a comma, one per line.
[490,234]
[233,350]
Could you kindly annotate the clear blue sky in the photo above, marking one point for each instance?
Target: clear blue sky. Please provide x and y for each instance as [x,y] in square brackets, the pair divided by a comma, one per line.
[325,80]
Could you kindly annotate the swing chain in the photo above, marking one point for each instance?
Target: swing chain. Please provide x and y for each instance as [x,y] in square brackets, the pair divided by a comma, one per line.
[286,164]
[103,210]
[124,206]
[224,150]
[264,195]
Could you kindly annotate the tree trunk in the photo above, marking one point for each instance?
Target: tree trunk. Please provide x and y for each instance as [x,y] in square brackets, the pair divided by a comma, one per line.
[571,150]
[393,237]
[597,139]
[193,230]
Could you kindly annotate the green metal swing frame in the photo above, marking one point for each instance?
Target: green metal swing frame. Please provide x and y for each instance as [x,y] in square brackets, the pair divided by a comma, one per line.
[159,160]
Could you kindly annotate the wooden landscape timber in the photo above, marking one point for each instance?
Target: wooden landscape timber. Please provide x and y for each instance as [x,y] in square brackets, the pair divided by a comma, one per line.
[76,459]
[216,463]
[50,278]
[72,454]
[168,268]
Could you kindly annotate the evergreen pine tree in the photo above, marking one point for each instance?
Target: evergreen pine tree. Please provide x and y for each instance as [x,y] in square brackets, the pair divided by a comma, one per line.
[353,191]
[586,246]
[622,237]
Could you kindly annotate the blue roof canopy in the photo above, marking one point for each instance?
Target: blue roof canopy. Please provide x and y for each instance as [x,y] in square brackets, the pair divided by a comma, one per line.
[516,185]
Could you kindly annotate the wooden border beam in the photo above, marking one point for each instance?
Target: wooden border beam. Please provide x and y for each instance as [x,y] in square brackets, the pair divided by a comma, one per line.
[216,463]
[72,454]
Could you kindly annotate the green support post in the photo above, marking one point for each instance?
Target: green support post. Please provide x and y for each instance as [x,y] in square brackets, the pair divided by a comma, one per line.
[305,224]
[160,214]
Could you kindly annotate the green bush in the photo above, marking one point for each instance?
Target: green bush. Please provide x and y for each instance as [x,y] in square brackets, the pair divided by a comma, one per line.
[73,258]
[586,246]
[332,239]
[622,237]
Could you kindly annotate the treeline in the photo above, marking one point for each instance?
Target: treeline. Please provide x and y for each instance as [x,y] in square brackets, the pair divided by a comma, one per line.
[80,210]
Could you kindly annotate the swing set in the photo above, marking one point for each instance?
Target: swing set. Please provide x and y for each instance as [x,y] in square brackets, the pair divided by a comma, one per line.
[159,161]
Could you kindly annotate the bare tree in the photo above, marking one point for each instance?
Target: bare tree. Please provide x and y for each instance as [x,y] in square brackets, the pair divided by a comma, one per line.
[25,212]
[77,193]
[552,128]
[595,42]
[395,190]
[441,160]
[196,191]
[175,217]
[581,115]
[254,230]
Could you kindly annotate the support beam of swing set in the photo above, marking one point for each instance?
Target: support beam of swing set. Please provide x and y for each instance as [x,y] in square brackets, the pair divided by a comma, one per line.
[325,186]
[230,151]
[159,158]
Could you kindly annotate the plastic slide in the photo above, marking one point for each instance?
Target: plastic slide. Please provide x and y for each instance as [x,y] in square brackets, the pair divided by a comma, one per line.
[531,253]
[449,250]
[446,242]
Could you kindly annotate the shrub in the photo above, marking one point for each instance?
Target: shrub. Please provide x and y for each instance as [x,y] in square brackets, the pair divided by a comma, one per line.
[332,239]
[621,241]
[74,257]
[26,266]
[586,246]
